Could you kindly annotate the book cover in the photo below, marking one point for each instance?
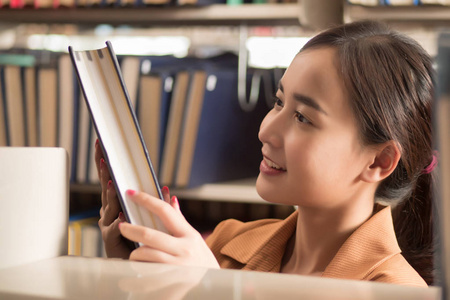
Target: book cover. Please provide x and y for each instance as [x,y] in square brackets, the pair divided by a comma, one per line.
[116,125]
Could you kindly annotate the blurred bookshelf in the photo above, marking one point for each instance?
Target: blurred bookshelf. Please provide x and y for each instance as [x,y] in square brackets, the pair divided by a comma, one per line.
[435,15]
[216,14]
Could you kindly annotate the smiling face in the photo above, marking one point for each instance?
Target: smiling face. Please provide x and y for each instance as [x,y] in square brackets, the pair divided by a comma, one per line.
[312,153]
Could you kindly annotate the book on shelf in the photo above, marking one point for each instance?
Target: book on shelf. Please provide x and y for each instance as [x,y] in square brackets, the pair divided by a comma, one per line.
[173,129]
[47,105]
[67,104]
[13,72]
[150,114]
[12,87]
[29,90]
[131,66]
[116,125]
[82,142]
[84,236]
[219,141]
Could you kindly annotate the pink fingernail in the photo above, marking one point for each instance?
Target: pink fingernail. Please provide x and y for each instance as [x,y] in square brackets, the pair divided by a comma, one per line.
[175,200]
[165,189]
[120,224]
[102,163]
[131,192]
[121,216]
[109,184]
[96,142]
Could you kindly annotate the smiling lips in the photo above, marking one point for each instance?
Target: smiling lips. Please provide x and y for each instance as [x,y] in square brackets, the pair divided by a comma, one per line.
[270,168]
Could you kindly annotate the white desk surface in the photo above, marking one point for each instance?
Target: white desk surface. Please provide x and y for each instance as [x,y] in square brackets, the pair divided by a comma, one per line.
[70,277]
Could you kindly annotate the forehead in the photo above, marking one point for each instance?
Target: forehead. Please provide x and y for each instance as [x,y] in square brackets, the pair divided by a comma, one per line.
[316,73]
[319,66]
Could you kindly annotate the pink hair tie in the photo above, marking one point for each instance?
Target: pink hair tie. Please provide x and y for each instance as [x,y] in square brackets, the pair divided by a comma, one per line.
[434,161]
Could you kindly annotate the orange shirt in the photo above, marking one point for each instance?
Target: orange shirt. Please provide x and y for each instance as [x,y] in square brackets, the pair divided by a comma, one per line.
[370,253]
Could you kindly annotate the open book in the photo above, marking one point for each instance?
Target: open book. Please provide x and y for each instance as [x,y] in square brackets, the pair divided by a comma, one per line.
[117,128]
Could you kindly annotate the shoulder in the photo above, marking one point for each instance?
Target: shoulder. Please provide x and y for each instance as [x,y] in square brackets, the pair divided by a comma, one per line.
[229,229]
[397,270]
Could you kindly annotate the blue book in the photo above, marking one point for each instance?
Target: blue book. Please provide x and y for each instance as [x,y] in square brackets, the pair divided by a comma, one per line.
[219,140]
[155,93]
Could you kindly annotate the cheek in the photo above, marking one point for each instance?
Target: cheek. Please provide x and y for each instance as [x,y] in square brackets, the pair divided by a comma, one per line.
[326,158]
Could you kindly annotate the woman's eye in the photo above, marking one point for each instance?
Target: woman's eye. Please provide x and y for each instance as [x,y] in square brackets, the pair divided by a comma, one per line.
[301,118]
[278,102]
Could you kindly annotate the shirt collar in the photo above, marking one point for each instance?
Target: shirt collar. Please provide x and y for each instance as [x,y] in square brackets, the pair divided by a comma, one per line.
[369,246]
[264,245]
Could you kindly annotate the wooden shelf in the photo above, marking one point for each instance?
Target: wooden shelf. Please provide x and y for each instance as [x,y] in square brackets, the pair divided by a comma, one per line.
[220,14]
[241,191]
[432,14]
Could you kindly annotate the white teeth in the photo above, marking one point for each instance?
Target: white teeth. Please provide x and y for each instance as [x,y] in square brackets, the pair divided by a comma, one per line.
[272,164]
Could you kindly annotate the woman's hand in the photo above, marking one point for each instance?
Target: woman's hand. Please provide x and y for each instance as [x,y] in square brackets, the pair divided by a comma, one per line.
[182,246]
[110,213]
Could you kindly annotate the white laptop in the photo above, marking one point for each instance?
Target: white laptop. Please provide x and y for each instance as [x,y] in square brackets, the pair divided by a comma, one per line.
[34,204]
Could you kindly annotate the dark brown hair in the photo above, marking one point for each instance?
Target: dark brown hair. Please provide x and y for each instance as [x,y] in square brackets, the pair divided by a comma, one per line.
[389,79]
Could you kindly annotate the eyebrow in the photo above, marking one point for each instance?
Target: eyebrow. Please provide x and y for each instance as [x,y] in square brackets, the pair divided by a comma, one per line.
[305,100]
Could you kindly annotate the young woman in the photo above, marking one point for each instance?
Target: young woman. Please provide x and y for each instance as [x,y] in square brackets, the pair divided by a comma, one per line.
[348,141]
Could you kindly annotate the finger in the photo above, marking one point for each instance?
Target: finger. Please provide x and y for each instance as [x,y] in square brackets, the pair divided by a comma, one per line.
[98,156]
[175,223]
[111,233]
[104,172]
[112,206]
[104,180]
[145,253]
[149,237]
[101,212]
[175,204]
[166,194]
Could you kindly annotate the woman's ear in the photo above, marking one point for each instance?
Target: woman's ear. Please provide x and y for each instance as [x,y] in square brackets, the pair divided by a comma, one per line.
[383,162]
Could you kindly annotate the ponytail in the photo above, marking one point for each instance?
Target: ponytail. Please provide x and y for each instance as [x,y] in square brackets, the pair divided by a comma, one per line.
[413,226]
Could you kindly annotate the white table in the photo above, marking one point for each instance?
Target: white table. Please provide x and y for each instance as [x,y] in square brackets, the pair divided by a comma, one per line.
[70,277]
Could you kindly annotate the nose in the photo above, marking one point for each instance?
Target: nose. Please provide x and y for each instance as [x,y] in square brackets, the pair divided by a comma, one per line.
[270,131]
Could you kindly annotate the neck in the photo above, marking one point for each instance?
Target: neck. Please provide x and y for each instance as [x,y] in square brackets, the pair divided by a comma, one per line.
[320,233]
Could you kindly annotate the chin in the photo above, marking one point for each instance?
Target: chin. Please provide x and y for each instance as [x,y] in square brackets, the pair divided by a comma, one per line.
[266,192]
